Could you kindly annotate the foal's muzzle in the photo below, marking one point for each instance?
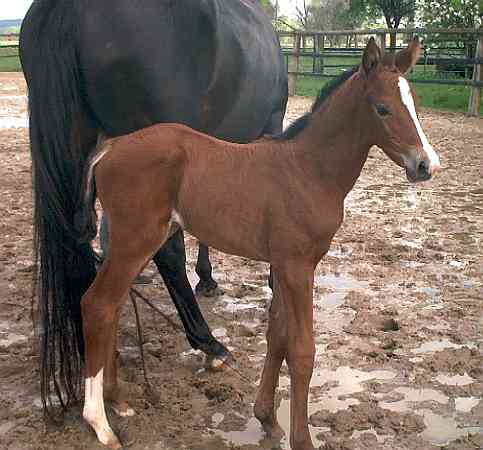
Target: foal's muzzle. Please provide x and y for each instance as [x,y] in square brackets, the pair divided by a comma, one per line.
[420,169]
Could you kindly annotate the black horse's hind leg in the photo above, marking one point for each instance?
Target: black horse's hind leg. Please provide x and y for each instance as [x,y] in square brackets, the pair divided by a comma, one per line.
[171,263]
[103,234]
[207,286]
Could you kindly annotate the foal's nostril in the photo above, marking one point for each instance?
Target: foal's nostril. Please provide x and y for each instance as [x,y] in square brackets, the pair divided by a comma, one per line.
[419,169]
[423,168]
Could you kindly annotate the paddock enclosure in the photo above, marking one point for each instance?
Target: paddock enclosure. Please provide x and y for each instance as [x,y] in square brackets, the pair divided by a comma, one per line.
[398,318]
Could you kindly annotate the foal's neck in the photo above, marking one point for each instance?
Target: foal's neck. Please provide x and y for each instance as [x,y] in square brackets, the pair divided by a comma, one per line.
[335,144]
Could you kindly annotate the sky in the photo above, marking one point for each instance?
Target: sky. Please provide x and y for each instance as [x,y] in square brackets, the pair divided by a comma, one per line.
[287,7]
[16,9]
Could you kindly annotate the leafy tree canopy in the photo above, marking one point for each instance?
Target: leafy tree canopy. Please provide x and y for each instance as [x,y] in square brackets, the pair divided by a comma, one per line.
[451,13]
[393,11]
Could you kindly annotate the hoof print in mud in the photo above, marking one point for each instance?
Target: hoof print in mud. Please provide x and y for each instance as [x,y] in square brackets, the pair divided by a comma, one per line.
[220,393]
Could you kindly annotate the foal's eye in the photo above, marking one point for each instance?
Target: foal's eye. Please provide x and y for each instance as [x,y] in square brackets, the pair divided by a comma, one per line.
[382,110]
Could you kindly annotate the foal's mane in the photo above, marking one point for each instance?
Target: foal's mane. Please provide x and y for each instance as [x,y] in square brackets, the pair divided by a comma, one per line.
[299,125]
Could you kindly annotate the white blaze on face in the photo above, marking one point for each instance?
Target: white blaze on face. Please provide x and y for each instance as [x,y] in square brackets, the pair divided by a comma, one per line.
[94,412]
[408,101]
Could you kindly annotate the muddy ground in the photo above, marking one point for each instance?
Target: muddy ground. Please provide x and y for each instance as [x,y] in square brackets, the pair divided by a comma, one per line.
[398,304]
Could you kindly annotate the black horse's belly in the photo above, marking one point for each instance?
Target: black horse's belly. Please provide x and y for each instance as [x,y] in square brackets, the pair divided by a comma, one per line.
[213,65]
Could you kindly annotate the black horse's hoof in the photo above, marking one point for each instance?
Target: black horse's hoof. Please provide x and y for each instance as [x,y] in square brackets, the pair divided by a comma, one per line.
[217,356]
[208,288]
[218,363]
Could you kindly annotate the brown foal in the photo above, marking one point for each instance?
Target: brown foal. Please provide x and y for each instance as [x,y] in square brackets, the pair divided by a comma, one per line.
[278,200]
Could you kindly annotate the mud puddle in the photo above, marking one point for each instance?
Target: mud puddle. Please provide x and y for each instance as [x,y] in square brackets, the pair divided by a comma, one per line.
[435,346]
[13,122]
[331,391]
[441,430]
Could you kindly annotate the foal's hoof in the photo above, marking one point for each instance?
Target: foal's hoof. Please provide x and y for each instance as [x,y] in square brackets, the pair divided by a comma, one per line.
[273,430]
[104,433]
[303,445]
[270,425]
[208,288]
[114,444]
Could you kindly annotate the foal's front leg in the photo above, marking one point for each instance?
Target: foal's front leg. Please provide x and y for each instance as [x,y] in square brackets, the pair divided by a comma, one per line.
[277,347]
[296,284]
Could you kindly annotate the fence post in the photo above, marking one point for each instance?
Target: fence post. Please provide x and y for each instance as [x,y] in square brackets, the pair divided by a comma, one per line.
[314,50]
[475,94]
[293,65]
[319,48]
[382,38]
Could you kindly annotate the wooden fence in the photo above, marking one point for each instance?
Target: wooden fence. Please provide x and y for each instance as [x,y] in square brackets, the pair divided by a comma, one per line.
[458,50]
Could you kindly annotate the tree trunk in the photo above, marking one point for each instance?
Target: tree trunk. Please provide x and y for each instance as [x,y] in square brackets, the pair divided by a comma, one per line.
[392,35]
[392,40]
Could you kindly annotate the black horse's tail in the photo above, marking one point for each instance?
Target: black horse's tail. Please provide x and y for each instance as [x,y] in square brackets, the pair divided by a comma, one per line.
[65,264]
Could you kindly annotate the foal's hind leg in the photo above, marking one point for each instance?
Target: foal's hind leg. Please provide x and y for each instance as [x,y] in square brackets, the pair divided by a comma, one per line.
[114,389]
[100,307]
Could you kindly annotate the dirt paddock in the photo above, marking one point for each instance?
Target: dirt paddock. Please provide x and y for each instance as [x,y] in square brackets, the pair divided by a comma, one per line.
[398,309]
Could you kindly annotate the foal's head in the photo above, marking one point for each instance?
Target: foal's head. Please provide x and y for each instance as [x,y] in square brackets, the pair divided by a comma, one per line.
[392,111]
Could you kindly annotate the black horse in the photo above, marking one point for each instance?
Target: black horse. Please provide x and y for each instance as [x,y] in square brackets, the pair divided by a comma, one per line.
[214,65]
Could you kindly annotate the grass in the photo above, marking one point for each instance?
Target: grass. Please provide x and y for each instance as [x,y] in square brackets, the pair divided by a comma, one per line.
[9,60]
[436,96]
[451,98]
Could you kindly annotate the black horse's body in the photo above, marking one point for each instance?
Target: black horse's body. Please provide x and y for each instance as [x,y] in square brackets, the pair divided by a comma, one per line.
[112,67]
[214,65]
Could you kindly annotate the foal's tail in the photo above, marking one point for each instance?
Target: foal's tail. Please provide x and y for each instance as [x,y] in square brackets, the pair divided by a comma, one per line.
[86,217]
[58,118]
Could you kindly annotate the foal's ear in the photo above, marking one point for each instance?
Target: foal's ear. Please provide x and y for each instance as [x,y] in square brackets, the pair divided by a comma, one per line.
[371,57]
[406,59]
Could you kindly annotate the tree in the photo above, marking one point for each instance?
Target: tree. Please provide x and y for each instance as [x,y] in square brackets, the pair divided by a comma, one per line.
[450,13]
[394,11]
[351,15]
[320,14]
[271,7]
[304,14]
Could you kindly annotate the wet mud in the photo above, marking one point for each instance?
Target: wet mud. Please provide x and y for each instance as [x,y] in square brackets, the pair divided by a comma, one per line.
[398,319]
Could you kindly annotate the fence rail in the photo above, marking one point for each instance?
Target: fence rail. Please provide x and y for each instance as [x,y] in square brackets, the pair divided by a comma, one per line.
[467,44]
[461,55]
[378,31]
